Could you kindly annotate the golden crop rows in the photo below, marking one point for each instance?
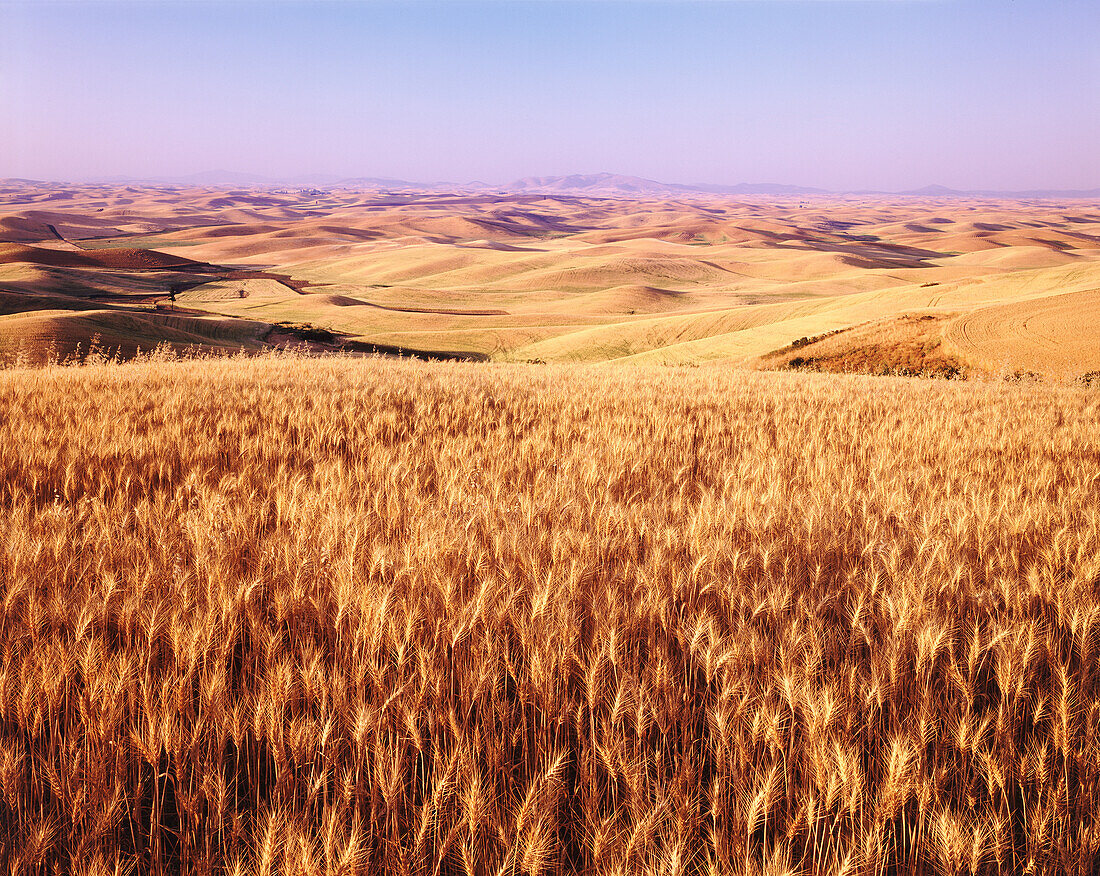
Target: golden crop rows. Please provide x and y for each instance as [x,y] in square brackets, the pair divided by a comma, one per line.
[296,616]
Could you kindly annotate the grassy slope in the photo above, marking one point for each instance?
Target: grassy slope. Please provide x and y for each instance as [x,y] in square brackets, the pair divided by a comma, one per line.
[39,334]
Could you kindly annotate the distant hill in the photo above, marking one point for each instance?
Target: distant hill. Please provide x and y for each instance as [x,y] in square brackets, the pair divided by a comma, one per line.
[934,192]
[619,185]
[1043,193]
[383,182]
[591,183]
[758,189]
[606,185]
[944,192]
[221,177]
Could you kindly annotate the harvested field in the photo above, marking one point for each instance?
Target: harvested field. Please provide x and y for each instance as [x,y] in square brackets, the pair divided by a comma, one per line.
[1057,335]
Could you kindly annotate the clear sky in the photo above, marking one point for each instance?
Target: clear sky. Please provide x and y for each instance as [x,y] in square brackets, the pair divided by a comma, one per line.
[842,94]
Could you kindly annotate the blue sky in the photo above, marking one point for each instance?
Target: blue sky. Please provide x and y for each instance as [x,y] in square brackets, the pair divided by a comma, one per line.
[842,94]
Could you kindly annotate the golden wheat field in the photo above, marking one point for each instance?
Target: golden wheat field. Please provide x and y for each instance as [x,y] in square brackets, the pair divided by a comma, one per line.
[294,616]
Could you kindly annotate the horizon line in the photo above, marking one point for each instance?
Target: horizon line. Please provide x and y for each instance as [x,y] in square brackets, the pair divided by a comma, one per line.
[320,179]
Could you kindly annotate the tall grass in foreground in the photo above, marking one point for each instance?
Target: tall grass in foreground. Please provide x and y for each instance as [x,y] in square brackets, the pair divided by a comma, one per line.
[293,616]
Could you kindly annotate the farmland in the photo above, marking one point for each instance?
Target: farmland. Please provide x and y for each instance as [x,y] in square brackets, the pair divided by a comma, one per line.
[282,614]
[996,285]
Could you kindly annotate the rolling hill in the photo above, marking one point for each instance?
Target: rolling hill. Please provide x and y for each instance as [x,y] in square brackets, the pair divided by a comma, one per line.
[568,269]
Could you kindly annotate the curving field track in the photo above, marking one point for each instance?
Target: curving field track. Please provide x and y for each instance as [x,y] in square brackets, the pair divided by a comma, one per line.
[1058,335]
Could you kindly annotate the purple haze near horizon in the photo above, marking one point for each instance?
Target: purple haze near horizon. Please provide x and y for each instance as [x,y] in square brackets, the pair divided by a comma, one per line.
[881,94]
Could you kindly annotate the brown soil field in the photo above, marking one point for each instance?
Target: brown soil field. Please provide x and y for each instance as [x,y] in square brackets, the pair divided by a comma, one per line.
[564,277]
[282,615]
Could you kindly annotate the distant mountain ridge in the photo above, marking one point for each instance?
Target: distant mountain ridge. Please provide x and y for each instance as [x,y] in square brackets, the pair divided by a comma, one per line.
[606,185]
[620,184]
[941,191]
